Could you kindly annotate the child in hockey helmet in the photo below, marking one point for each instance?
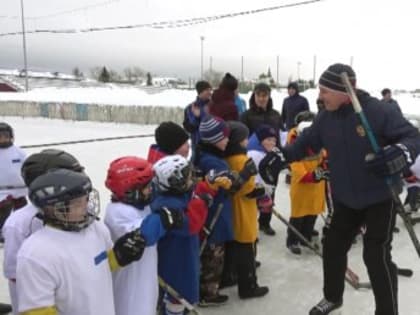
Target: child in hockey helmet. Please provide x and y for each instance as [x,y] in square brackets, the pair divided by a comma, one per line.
[174,174]
[129,178]
[6,135]
[65,199]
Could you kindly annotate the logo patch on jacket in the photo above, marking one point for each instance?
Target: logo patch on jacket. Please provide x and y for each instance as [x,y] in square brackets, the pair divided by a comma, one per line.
[360,131]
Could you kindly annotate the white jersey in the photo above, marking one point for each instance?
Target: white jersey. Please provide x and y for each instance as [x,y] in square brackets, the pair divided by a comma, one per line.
[11,160]
[60,268]
[19,226]
[136,285]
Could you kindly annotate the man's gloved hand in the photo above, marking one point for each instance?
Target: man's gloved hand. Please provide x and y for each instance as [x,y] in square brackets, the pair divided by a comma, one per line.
[265,204]
[271,166]
[321,174]
[129,248]
[171,218]
[413,198]
[249,169]
[218,180]
[389,161]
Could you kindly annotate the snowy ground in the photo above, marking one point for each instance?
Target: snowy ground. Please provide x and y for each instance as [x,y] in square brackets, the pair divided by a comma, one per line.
[295,282]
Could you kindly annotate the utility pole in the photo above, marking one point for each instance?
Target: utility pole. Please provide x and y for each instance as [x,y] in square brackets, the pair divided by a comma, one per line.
[242,68]
[277,76]
[25,60]
[351,61]
[202,57]
[298,70]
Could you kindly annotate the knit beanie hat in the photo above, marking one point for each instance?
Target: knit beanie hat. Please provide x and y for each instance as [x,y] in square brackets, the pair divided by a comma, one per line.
[170,136]
[201,86]
[229,82]
[213,129]
[238,131]
[294,86]
[262,87]
[331,78]
[265,131]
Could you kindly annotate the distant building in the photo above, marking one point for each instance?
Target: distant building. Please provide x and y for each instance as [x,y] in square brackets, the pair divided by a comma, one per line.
[6,86]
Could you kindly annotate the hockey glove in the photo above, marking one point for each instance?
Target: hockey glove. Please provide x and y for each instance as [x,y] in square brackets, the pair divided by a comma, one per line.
[271,166]
[258,192]
[249,169]
[413,198]
[320,174]
[218,180]
[265,204]
[389,161]
[171,218]
[129,248]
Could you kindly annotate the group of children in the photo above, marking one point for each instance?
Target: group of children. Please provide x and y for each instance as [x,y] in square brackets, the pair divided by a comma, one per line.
[185,220]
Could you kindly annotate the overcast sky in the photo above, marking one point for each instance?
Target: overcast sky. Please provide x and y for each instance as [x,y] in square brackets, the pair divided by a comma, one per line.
[381,35]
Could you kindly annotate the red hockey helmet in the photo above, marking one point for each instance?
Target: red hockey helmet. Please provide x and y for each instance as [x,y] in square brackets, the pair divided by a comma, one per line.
[127,176]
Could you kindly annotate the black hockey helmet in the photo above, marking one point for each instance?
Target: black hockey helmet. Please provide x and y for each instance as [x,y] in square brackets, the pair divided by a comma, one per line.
[39,163]
[304,116]
[7,130]
[53,193]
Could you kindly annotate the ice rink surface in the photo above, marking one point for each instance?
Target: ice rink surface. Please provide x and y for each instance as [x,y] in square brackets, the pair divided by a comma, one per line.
[295,282]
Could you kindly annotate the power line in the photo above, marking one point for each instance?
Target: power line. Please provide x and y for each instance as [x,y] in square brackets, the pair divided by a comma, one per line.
[84,8]
[164,24]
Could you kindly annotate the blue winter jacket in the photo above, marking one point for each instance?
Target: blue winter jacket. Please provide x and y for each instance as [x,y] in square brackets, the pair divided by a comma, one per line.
[223,229]
[191,123]
[292,106]
[340,133]
[240,105]
[255,144]
[178,251]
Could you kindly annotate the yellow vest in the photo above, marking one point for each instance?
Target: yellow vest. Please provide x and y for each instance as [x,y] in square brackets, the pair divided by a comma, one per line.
[305,198]
[245,211]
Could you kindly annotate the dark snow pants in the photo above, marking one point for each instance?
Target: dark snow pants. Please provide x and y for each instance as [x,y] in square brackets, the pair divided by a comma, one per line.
[346,222]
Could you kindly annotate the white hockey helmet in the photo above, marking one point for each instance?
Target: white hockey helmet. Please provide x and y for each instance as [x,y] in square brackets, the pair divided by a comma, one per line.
[173,173]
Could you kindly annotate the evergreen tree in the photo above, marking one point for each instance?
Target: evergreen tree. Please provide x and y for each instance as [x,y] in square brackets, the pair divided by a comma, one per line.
[104,75]
[149,79]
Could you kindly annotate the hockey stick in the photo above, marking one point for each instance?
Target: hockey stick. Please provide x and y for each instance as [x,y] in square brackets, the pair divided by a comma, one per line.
[171,291]
[365,124]
[12,187]
[351,277]
[83,141]
[207,231]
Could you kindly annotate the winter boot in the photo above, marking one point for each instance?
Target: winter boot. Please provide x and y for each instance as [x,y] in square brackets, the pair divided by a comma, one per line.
[253,292]
[294,249]
[217,300]
[325,307]
[5,308]
[267,229]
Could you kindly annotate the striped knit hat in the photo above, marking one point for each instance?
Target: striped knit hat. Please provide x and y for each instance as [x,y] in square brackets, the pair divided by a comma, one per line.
[213,129]
[331,78]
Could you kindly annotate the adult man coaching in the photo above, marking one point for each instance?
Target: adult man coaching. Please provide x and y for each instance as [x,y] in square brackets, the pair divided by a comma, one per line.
[359,189]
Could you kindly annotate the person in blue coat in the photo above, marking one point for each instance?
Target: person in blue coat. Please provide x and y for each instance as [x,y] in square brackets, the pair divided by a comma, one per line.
[214,134]
[359,187]
[293,105]
[178,249]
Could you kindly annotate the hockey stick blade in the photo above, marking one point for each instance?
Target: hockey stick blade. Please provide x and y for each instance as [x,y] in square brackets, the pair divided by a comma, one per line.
[405,272]
[351,277]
